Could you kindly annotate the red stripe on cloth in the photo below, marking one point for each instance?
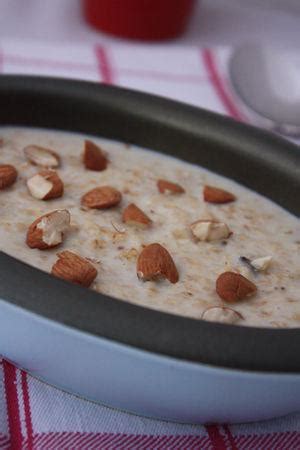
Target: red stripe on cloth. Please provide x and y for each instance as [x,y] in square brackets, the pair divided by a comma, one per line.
[37,62]
[285,440]
[230,437]
[31,61]
[219,86]
[104,65]
[4,440]
[163,76]
[13,413]
[118,440]
[215,437]
[28,422]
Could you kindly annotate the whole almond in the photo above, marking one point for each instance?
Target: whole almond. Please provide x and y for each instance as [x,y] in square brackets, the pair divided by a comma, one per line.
[154,263]
[8,175]
[101,198]
[210,230]
[232,287]
[216,195]
[41,156]
[72,267]
[221,314]
[45,185]
[93,157]
[167,187]
[48,230]
[132,215]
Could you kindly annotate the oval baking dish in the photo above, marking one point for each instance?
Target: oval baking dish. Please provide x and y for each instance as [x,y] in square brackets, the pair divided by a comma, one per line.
[128,346]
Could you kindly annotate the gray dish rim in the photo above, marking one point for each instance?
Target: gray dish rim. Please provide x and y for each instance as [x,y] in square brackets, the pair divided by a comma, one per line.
[259,160]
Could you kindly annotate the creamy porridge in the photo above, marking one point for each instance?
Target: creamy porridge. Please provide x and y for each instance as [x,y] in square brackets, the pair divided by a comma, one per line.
[148,228]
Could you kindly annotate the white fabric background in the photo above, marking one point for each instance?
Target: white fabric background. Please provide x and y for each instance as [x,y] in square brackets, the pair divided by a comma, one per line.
[215,22]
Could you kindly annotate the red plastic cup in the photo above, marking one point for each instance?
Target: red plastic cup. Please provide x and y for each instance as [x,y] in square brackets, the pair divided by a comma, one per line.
[139,19]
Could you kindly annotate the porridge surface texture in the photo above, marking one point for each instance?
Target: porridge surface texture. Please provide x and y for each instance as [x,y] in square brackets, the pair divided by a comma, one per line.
[258,229]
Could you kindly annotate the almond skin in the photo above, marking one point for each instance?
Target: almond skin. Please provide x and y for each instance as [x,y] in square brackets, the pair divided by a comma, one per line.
[41,156]
[93,157]
[8,175]
[53,189]
[216,195]
[232,287]
[154,263]
[101,198]
[132,215]
[167,187]
[47,231]
[74,268]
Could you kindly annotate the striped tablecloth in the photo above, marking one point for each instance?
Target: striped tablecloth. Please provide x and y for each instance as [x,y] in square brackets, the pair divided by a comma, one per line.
[34,415]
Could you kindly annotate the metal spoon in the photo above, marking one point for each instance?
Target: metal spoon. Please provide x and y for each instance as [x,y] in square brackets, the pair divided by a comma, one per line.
[267,80]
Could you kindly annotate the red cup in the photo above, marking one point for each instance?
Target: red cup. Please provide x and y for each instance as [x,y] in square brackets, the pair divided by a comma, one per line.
[139,19]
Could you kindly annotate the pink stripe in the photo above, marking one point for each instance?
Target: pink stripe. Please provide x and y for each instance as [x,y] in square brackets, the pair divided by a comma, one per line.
[291,439]
[97,438]
[163,441]
[145,441]
[219,86]
[46,63]
[155,74]
[119,440]
[248,440]
[283,439]
[193,443]
[243,443]
[104,65]
[19,60]
[215,437]
[10,383]
[266,440]
[230,437]
[294,438]
[127,440]
[4,440]
[27,410]
[77,439]
[39,439]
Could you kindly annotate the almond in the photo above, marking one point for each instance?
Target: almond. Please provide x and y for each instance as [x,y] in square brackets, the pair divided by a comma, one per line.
[221,314]
[101,198]
[215,195]
[232,287]
[45,185]
[154,263]
[41,156]
[132,215]
[74,268]
[257,264]
[166,187]
[210,230]
[8,175]
[261,264]
[48,230]
[93,157]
